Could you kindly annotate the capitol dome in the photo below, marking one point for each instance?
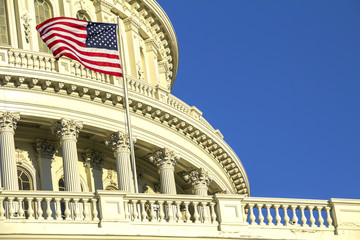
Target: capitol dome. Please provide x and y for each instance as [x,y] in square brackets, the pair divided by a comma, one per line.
[64,146]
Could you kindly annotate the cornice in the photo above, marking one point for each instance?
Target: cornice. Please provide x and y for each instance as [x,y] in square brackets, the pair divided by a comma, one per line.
[168,115]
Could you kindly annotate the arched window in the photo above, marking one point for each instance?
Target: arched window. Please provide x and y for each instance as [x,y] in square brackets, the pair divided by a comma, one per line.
[82,15]
[24,179]
[42,12]
[4,30]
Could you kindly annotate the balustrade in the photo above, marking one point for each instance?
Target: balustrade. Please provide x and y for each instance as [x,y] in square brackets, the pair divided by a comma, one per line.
[280,213]
[54,207]
[168,210]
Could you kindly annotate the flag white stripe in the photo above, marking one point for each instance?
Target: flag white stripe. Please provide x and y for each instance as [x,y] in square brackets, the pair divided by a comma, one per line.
[58,33]
[77,47]
[65,27]
[102,68]
[80,23]
[90,58]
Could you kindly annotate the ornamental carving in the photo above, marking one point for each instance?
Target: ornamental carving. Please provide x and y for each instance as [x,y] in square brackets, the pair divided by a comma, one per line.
[22,156]
[118,141]
[45,149]
[8,121]
[198,177]
[164,158]
[111,177]
[27,28]
[67,129]
[93,159]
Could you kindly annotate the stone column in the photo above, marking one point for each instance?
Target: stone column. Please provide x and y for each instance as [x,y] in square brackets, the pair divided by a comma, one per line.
[118,142]
[68,131]
[151,54]
[93,162]
[8,123]
[133,48]
[46,151]
[165,160]
[200,180]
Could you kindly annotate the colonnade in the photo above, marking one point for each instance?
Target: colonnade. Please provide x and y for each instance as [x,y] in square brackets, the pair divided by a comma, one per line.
[67,131]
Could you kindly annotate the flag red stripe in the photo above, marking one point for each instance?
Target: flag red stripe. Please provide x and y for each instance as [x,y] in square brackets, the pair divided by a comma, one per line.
[114,73]
[107,64]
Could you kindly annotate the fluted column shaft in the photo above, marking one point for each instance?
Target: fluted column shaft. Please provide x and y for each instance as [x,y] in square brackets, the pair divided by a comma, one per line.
[123,170]
[119,143]
[167,180]
[9,177]
[67,131]
[165,160]
[71,169]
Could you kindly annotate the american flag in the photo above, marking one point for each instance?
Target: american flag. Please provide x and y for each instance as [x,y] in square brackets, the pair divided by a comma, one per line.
[93,44]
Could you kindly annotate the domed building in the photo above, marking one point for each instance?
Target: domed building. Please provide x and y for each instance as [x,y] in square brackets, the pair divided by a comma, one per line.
[66,167]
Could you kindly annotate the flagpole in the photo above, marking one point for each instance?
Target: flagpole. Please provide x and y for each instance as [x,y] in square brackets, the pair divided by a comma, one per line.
[126,105]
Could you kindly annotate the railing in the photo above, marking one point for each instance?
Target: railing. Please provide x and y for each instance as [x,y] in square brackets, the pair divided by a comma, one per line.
[155,208]
[214,215]
[45,62]
[55,206]
[291,213]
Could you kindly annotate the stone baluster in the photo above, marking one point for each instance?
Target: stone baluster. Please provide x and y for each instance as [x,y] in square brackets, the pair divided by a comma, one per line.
[68,131]
[165,160]
[294,218]
[328,217]
[119,144]
[46,151]
[143,212]
[8,123]
[2,209]
[303,217]
[269,218]
[320,219]
[261,216]
[277,215]
[200,180]
[251,216]
[312,219]
[286,216]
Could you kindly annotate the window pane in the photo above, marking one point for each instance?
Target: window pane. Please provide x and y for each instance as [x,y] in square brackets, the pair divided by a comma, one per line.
[4,39]
[42,13]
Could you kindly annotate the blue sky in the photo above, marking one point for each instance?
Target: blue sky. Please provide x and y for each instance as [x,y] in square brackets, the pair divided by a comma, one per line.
[281,80]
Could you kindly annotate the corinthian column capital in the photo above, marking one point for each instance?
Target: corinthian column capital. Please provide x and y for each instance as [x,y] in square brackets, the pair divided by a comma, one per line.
[164,158]
[93,159]
[67,129]
[118,141]
[8,121]
[198,177]
[45,149]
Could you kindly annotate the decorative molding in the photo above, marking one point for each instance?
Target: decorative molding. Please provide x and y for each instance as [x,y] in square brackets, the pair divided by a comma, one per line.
[45,149]
[27,27]
[111,177]
[22,156]
[118,141]
[8,121]
[198,177]
[192,130]
[93,159]
[164,158]
[67,129]
[131,24]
